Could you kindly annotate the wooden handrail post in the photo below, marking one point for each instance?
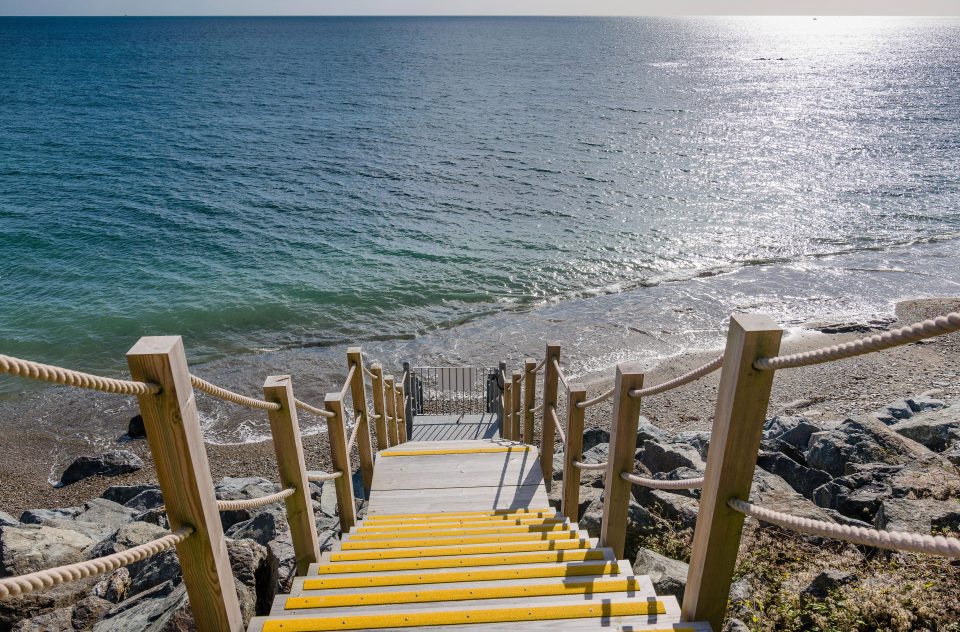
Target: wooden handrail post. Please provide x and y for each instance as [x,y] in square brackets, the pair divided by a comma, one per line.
[337,435]
[742,399]
[515,390]
[176,443]
[285,429]
[400,407]
[376,383]
[573,451]
[391,409]
[547,431]
[529,398]
[408,409]
[502,398]
[358,392]
[623,445]
[507,408]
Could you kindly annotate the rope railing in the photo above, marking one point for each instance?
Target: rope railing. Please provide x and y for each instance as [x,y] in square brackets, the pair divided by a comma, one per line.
[556,424]
[40,580]
[353,437]
[563,378]
[686,378]
[596,400]
[904,335]
[894,540]
[538,367]
[229,396]
[302,405]
[253,503]
[319,477]
[346,382]
[67,377]
[580,465]
[656,483]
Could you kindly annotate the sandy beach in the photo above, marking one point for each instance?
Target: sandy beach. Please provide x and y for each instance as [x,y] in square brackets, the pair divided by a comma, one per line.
[832,391]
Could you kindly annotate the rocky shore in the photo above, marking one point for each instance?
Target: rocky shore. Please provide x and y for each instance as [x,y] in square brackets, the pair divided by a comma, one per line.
[870,441]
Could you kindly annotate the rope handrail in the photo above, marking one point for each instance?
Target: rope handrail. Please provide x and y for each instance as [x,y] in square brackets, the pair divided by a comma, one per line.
[313,409]
[346,382]
[253,503]
[904,335]
[686,378]
[538,367]
[369,373]
[556,423]
[39,580]
[596,400]
[590,466]
[222,393]
[563,378]
[353,437]
[895,540]
[535,408]
[319,477]
[68,377]
[656,483]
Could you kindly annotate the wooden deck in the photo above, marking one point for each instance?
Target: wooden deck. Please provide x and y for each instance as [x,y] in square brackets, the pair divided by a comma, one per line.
[455,427]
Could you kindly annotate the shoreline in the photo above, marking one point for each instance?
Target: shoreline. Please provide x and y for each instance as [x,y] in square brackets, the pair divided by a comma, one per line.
[832,392]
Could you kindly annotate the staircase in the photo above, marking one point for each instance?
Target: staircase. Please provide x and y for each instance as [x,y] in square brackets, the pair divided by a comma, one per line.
[459,535]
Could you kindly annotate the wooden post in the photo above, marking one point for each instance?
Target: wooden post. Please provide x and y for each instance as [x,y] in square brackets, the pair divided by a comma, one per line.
[376,383]
[401,422]
[502,398]
[337,435]
[623,445]
[515,390]
[408,390]
[742,399]
[508,408]
[547,431]
[529,399]
[358,393]
[285,429]
[173,432]
[391,401]
[573,451]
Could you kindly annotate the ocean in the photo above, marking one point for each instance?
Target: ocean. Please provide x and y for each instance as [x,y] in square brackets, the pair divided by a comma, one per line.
[457,190]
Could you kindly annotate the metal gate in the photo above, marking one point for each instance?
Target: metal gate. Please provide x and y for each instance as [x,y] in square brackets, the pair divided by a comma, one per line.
[454,390]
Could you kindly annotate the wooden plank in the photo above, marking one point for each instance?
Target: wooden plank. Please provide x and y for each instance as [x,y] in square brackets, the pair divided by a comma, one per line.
[285,430]
[515,391]
[390,399]
[529,398]
[457,499]
[456,470]
[358,392]
[742,399]
[623,445]
[379,408]
[327,568]
[547,431]
[399,407]
[173,431]
[337,436]
[573,451]
[508,410]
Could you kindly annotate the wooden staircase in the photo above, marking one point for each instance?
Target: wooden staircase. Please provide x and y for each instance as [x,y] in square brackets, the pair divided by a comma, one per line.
[459,535]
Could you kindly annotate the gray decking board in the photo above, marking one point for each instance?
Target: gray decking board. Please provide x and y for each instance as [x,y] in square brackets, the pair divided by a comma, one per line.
[454,427]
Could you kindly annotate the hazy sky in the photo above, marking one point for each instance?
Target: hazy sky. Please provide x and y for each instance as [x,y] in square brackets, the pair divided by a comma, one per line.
[476,7]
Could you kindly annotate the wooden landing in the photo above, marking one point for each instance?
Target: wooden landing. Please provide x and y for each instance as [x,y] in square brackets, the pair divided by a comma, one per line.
[455,427]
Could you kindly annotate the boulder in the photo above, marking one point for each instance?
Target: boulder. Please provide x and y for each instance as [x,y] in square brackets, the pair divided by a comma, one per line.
[918,515]
[145,501]
[136,429]
[774,493]
[6,520]
[699,441]
[92,530]
[802,479]
[953,453]
[663,457]
[32,548]
[680,510]
[42,516]
[827,582]
[597,454]
[106,512]
[88,611]
[282,550]
[147,574]
[59,620]
[30,605]
[114,587]
[794,430]
[594,436]
[640,523]
[646,431]
[111,463]
[669,576]
[328,499]
[735,625]
[255,572]
[126,537]
[262,528]
[163,609]
[862,440]
[936,430]
[907,408]
[123,494]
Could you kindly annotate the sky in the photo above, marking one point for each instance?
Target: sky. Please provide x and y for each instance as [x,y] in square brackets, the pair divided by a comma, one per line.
[479,7]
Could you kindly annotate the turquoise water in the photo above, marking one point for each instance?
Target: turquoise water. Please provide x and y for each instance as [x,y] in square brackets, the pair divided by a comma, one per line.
[274,189]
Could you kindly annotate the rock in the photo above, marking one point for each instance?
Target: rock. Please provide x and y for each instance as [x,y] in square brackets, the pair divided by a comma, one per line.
[262,528]
[135,429]
[953,454]
[791,430]
[918,515]
[162,609]
[42,516]
[282,551]
[145,501]
[659,457]
[646,431]
[597,454]
[88,611]
[681,510]
[123,494]
[6,520]
[60,620]
[802,479]
[106,512]
[114,587]
[328,499]
[92,530]
[735,625]
[594,436]
[126,537]
[669,576]
[774,493]
[862,440]
[111,463]
[31,548]
[825,583]
[255,572]
[152,572]
[894,411]
[14,609]
[640,522]
[699,441]
[936,430]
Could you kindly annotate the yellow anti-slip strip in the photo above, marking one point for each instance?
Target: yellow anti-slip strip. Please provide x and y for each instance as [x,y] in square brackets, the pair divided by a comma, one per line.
[437,551]
[398,543]
[558,588]
[512,448]
[534,557]
[495,514]
[505,529]
[637,607]
[456,523]
[445,577]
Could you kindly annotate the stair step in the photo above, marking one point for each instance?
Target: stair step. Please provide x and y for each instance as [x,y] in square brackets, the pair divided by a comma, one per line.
[488,574]
[351,544]
[492,514]
[518,526]
[394,452]
[462,550]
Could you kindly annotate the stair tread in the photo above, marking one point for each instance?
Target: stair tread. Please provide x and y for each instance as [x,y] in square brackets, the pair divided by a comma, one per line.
[398,541]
